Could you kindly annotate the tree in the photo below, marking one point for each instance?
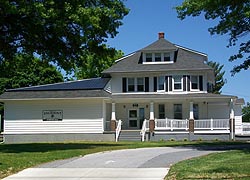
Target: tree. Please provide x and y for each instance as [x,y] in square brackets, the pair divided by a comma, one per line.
[219,80]
[93,64]
[246,113]
[234,20]
[60,31]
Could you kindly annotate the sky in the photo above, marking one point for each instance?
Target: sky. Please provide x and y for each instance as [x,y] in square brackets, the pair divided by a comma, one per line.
[148,17]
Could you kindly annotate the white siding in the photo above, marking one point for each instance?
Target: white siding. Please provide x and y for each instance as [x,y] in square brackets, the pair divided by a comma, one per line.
[218,111]
[79,116]
[238,119]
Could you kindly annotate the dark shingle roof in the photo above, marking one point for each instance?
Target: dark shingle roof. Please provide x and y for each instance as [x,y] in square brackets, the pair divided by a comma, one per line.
[55,94]
[73,89]
[86,84]
[185,59]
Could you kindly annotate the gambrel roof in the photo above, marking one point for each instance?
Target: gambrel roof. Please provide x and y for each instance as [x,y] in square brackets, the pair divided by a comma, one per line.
[185,59]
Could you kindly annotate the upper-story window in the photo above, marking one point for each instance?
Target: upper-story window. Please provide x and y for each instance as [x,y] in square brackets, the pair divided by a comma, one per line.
[157,57]
[167,57]
[160,83]
[135,84]
[194,82]
[149,57]
[177,81]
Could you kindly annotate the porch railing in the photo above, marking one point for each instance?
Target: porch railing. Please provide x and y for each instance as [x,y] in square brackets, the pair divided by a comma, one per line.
[245,128]
[118,130]
[171,124]
[145,127]
[211,124]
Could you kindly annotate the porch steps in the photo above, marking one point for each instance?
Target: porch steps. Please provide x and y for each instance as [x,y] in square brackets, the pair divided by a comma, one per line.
[130,135]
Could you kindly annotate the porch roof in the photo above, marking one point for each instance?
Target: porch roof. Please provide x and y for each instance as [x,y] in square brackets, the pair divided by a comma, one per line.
[173,96]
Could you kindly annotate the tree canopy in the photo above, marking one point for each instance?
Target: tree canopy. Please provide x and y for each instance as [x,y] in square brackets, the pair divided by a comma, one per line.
[219,79]
[246,113]
[59,31]
[233,19]
[93,64]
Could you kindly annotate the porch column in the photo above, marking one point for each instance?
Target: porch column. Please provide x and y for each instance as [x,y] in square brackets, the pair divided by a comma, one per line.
[151,117]
[231,120]
[191,117]
[113,118]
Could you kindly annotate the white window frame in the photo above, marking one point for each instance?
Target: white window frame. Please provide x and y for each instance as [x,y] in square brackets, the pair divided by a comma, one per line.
[164,84]
[152,59]
[162,55]
[136,84]
[173,83]
[191,82]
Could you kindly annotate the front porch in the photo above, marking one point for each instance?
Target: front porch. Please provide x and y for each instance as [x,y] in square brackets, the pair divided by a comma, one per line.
[172,116]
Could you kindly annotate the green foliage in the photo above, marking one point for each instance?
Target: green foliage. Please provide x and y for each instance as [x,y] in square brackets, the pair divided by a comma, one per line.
[93,64]
[246,113]
[233,19]
[58,31]
[219,80]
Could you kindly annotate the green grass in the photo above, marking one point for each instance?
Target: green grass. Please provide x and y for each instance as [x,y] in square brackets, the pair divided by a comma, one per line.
[16,157]
[226,165]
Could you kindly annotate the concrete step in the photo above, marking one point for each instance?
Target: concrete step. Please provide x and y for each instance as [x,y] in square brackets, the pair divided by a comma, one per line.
[130,136]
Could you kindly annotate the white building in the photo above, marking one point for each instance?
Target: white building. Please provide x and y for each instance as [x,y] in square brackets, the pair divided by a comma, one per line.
[161,92]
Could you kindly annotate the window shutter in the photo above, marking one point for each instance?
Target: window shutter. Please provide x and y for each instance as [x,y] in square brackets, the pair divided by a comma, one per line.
[124,84]
[188,83]
[170,83]
[201,83]
[175,55]
[155,84]
[146,84]
[184,83]
[166,83]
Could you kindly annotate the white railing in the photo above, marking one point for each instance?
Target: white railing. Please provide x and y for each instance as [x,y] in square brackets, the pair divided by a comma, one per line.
[211,124]
[145,127]
[118,130]
[171,124]
[245,128]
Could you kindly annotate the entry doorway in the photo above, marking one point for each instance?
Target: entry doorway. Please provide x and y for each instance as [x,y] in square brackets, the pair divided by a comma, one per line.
[136,118]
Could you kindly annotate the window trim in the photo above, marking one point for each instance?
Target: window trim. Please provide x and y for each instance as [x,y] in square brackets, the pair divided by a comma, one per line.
[178,112]
[162,56]
[164,84]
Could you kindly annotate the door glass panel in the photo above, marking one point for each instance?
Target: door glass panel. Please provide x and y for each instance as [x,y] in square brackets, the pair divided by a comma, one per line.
[133,119]
[133,114]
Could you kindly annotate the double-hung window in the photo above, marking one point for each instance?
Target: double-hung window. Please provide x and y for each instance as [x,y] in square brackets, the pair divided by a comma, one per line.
[194,82]
[167,57]
[140,84]
[177,82]
[149,57]
[177,111]
[131,84]
[160,83]
[157,57]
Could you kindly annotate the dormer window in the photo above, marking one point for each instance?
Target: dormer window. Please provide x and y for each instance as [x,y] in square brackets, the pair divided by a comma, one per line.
[167,57]
[177,82]
[149,57]
[158,58]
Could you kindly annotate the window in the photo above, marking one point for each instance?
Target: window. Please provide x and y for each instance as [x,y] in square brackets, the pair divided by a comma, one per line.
[148,57]
[167,57]
[194,82]
[131,84]
[161,111]
[160,82]
[157,57]
[140,84]
[177,111]
[177,82]
[196,111]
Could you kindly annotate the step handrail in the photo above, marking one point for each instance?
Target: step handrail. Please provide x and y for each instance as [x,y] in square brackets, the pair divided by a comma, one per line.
[143,130]
[118,130]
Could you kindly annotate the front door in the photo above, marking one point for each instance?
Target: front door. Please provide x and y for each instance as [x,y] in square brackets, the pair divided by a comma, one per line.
[133,118]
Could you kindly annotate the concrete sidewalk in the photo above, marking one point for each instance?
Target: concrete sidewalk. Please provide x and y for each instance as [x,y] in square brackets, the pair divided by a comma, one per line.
[90,174]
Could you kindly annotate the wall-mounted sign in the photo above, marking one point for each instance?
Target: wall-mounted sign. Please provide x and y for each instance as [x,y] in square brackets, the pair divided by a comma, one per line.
[52,115]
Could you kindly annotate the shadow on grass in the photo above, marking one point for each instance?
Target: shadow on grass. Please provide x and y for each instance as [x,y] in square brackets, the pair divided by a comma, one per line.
[45,147]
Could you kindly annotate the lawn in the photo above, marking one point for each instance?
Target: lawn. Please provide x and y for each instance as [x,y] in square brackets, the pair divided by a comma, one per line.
[227,165]
[16,157]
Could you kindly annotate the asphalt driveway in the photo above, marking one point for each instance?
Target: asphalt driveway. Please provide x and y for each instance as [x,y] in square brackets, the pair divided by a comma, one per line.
[144,163]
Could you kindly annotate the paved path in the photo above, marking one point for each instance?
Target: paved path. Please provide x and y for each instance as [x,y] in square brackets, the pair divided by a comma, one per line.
[144,163]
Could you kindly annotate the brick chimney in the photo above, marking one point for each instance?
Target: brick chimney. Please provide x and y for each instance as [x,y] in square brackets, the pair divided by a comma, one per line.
[161,35]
